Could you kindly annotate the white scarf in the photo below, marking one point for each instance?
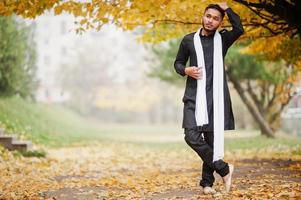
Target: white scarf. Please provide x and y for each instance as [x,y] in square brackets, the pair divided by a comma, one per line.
[201,113]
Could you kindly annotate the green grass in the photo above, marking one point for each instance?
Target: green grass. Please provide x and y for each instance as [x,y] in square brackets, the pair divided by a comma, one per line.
[54,125]
[261,142]
[50,125]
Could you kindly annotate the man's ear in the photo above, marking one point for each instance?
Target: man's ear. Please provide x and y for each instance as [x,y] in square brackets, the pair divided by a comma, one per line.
[221,23]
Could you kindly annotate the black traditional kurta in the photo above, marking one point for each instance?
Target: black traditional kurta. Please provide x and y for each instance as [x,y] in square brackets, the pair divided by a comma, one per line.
[187,50]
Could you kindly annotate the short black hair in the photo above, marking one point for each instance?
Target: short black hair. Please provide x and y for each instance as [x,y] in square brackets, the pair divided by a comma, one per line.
[216,7]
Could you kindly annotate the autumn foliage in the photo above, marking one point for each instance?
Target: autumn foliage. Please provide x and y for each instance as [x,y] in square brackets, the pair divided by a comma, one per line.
[160,20]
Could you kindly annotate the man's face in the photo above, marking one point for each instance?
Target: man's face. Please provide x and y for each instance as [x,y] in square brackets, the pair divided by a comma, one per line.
[211,19]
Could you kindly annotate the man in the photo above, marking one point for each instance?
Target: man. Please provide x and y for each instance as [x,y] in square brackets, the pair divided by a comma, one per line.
[207,91]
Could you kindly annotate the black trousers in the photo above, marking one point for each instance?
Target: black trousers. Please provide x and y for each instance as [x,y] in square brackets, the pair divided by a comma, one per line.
[202,143]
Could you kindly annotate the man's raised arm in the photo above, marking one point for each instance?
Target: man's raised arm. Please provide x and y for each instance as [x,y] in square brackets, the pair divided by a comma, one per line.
[237,28]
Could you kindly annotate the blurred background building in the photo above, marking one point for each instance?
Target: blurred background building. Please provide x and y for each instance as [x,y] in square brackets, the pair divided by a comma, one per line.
[124,91]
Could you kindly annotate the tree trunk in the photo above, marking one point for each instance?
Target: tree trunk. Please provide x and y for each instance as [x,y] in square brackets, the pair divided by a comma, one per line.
[263,125]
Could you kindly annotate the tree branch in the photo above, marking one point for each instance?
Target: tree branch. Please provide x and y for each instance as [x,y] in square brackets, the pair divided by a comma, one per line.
[254,96]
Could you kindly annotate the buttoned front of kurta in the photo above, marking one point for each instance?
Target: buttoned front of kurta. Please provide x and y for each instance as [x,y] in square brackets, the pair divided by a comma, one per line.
[187,51]
[207,44]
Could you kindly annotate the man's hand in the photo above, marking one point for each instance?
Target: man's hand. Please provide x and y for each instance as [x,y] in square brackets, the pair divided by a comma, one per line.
[194,72]
[223,5]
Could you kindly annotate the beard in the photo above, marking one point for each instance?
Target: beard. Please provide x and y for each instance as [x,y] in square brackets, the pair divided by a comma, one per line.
[208,30]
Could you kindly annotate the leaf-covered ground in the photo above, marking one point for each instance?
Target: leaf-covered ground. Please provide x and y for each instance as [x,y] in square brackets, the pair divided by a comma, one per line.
[122,170]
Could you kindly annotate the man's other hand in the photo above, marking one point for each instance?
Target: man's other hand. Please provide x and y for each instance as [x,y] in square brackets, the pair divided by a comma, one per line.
[194,72]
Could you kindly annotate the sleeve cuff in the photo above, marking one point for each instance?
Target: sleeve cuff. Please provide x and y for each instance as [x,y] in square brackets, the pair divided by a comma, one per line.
[228,10]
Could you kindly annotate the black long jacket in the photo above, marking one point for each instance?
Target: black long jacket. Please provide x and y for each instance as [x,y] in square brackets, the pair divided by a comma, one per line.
[187,51]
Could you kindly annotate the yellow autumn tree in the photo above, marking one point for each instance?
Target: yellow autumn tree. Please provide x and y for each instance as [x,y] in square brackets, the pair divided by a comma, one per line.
[266,22]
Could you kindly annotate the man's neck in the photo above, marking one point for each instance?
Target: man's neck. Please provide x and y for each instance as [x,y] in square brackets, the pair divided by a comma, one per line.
[206,33]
